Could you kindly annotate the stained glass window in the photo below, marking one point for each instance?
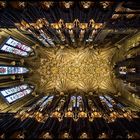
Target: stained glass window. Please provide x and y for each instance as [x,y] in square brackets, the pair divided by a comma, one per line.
[18,95]
[104,99]
[73,100]
[45,103]
[16,47]
[6,70]
[12,94]
[12,90]
[79,99]
[10,49]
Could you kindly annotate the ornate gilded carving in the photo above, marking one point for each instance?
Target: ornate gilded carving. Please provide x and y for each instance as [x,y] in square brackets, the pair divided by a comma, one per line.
[82,68]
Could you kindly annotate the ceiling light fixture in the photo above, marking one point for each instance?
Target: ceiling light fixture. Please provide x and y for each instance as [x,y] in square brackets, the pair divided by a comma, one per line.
[67,4]
[18,5]
[116,16]
[46,4]
[86,4]
[105,4]
[2,4]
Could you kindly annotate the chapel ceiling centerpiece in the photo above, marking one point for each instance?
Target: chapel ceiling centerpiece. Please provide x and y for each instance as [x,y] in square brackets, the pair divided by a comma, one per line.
[80,69]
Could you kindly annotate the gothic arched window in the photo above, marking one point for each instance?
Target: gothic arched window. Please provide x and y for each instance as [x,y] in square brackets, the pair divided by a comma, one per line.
[14,93]
[13,46]
[10,70]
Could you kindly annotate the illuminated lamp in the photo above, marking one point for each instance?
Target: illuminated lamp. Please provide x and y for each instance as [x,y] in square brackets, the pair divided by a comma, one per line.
[129,16]
[103,135]
[66,4]
[86,4]
[36,26]
[22,5]
[84,135]
[47,135]
[46,4]
[83,26]
[95,113]
[2,4]
[69,26]
[18,5]
[2,136]
[66,135]
[39,23]
[56,114]
[26,115]
[69,114]
[105,4]
[25,24]
[98,25]
[82,114]
[133,95]
[56,26]
[116,16]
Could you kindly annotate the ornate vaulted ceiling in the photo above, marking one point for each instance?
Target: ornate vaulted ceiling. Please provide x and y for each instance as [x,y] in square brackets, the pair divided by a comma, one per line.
[69,69]
[76,43]
[81,69]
